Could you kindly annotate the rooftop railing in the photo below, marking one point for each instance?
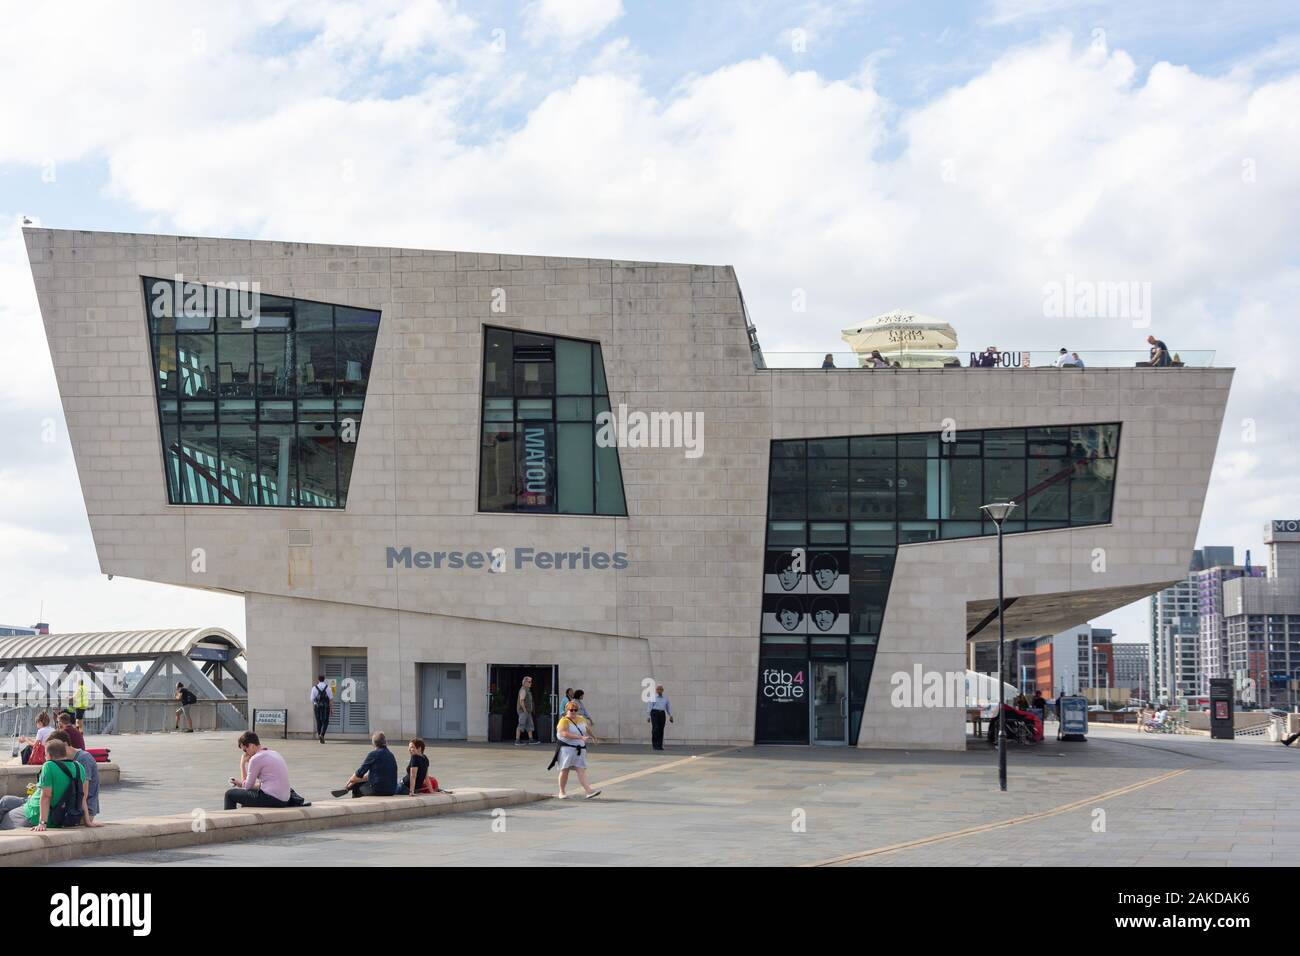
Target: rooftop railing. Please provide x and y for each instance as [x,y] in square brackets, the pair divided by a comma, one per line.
[1009,359]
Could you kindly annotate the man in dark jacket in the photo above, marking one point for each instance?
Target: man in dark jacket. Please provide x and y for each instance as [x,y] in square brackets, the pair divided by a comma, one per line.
[377,775]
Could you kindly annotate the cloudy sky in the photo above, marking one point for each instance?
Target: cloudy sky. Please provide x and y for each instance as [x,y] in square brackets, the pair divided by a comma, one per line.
[949,159]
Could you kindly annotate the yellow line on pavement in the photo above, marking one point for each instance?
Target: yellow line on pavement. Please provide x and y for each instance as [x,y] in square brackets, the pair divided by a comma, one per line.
[1001,824]
[663,766]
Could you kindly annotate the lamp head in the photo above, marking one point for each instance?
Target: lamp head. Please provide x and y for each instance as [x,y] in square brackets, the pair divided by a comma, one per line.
[998,511]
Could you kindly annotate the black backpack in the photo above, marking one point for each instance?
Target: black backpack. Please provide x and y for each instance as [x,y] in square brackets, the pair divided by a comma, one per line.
[187,696]
[67,812]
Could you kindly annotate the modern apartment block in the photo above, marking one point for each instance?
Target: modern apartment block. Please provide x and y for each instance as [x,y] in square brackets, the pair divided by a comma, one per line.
[1132,668]
[1174,638]
[433,473]
[1261,620]
[1213,622]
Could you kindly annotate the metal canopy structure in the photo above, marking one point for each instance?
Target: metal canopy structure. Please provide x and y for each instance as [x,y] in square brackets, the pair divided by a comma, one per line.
[208,659]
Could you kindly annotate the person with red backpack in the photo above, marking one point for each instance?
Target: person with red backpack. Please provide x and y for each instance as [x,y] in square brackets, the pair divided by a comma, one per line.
[33,752]
[416,780]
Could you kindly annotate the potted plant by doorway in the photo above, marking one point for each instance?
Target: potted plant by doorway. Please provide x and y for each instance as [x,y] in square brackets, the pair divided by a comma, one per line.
[496,712]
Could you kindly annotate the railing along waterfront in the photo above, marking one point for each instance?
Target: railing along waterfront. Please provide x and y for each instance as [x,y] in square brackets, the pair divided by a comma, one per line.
[1009,359]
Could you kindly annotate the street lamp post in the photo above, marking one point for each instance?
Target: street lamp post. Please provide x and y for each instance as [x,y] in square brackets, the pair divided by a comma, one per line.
[998,512]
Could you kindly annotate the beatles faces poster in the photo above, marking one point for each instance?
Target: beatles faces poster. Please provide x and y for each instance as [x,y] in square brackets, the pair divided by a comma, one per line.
[806,592]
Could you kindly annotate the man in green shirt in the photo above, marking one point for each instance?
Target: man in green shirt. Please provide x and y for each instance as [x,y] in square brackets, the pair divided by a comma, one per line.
[52,784]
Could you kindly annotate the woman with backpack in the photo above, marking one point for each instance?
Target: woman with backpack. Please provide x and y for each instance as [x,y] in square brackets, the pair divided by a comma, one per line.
[59,799]
[184,697]
[33,752]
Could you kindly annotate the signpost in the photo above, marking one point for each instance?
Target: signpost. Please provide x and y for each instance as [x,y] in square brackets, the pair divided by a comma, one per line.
[272,718]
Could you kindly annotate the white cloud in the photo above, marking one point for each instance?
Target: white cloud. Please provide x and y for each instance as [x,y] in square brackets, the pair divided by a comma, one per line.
[569,22]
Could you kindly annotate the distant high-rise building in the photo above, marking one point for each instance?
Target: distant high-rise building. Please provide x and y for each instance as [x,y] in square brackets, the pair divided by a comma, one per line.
[1261,623]
[1174,636]
[1213,621]
[1132,668]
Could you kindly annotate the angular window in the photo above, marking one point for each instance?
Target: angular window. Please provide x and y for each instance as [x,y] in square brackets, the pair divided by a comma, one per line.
[543,447]
[259,397]
[851,503]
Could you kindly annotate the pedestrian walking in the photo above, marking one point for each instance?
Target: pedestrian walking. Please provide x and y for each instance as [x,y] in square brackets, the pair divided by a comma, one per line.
[526,711]
[184,698]
[322,696]
[657,713]
[573,735]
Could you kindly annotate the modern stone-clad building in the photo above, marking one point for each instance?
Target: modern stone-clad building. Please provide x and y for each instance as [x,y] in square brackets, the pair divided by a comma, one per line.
[431,474]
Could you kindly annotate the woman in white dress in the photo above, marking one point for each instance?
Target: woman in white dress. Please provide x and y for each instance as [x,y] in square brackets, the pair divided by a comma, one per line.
[573,733]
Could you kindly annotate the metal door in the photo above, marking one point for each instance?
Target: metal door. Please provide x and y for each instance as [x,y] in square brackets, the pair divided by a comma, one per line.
[442,701]
[351,711]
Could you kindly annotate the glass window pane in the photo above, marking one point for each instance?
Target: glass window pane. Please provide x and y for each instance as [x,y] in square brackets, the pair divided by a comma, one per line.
[498,409]
[534,408]
[535,466]
[276,411]
[877,533]
[317,465]
[1049,489]
[238,462]
[316,410]
[871,571]
[168,410]
[496,485]
[964,529]
[918,446]
[196,357]
[910,532]
[234,365]
[172,463]
[828,532]
[598,371]
[158,305]
[238,411]
[872,483]
[609,482]
[349,436]
[787,534]
[198,454]
[1048,442]
[361,320]
[576,461]
[534,378]
[828,447]
[962,489]
[1090,491]
[912,494]
[277,465]
[199,411]
[354,352]
[574,409]
[828,488]
[962,445]
[274,316]
[534,348]
[315,363]
[313,317]
[1005,443]
[789,449]
[498,363]
[273,376]
[1004,480]
[572,367]
[874,446]
[164,363]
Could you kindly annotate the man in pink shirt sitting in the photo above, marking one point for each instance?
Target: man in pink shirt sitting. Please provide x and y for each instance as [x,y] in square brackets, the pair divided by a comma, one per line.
[266,777]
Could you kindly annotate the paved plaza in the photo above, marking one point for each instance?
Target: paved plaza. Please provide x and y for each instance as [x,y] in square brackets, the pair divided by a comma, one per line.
[1167,801]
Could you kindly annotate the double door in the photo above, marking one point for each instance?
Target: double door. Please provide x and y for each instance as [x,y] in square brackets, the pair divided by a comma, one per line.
[442,701]
[351,711]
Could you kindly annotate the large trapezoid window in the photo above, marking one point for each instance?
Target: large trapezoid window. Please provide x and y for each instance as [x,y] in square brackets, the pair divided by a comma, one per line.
[259,396]
[538,449]
[838,509]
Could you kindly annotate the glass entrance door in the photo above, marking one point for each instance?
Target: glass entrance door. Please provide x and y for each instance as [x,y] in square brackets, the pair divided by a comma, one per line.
[830,702]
